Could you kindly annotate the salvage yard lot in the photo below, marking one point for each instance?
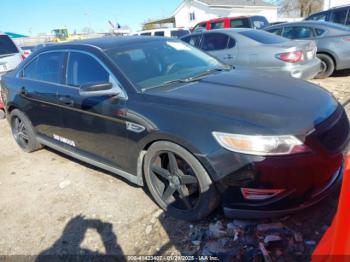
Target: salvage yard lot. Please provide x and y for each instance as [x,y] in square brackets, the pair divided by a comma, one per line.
[52,204]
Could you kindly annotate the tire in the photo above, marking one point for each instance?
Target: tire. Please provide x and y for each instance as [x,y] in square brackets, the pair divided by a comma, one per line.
[327,64]
[2,114]
[193,193]
[23,131]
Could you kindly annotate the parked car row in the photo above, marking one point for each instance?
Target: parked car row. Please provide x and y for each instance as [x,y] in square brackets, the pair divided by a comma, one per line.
[256,49]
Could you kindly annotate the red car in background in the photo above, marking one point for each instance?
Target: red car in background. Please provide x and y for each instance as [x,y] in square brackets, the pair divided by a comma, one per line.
[2,109]
[256,22]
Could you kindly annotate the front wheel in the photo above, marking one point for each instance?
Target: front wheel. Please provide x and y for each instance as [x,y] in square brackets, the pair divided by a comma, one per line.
[178,182]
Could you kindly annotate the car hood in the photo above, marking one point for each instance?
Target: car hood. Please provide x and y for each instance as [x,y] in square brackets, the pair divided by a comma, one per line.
[255,101]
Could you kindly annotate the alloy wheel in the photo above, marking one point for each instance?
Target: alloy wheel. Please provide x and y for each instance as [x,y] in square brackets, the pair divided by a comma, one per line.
[20,132]
[174,181]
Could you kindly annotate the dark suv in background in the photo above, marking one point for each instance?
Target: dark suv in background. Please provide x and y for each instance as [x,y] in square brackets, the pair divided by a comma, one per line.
[338,15]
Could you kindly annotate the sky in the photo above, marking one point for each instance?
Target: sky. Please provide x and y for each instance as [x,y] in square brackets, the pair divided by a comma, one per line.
[33,17]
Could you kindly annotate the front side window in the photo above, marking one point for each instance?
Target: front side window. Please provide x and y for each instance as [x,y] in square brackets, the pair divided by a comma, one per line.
[241,22]
[214,41]
[46,67]
[193,40]
[83,69]
[339,16]
[200,27]
[153,63]
[297,32]
[259,22]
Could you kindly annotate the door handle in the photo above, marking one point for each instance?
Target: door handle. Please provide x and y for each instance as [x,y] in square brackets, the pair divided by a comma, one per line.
[23,91]
[66,101]
[229,56]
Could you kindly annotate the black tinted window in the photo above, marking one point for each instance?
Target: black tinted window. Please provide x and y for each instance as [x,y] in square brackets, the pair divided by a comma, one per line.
[214,41]
[339,16]
[192,40]
[179,33]
[7,46]
[83,68]
[242,22]
[263,37]
[159,33]
[297,32]
[47,67]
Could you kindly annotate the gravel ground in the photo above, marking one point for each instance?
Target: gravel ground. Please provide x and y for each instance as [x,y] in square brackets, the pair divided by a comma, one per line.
[52,204]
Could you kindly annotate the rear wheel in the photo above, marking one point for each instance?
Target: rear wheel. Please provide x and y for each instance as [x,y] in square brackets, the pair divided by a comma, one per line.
[178,182]
[327,66]
[23,131]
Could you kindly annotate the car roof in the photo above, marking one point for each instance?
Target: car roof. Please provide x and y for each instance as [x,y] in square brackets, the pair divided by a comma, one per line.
[307,23]
[105,43]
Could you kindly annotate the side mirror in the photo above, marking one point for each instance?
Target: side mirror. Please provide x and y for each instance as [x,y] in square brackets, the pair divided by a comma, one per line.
[98,89]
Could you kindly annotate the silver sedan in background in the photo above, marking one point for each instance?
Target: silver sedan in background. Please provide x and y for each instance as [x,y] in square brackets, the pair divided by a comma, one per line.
[249,48]
[332,40]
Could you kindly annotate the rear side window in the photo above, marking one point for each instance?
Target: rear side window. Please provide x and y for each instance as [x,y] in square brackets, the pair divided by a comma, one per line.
[179,33]
[147,34]
[319,31]
[83,69]
[159,33]
[259,22]
[192,40]
[7,46]
[46,67]
[276,31]
[214,41]
[339,16]
[241,22]
[298,32]
[217,25]
[263,37]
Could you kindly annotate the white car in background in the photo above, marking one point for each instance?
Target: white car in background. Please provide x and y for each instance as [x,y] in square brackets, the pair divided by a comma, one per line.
[166,32]
[10,54]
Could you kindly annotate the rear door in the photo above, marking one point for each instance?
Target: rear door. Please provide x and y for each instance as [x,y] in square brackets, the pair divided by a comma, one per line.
[10,56]
[41,79]
[93,125]
[221,46]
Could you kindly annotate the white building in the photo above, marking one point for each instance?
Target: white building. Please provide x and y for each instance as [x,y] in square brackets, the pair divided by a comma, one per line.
[191,12]
[333,3]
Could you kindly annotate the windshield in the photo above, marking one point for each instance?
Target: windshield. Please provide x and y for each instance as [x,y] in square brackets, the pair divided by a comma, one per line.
[155,63]
[263,37]
[7,46]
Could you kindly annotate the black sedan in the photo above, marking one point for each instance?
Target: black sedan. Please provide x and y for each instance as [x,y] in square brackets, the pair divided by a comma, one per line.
[197,133]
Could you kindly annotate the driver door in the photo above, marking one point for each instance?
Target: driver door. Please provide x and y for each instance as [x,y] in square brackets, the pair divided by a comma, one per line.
[92,125]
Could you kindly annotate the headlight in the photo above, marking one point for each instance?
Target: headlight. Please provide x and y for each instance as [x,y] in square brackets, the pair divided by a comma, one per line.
[260,145]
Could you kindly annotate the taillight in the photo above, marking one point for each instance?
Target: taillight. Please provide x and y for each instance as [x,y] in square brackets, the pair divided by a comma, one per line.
[346,39]
[260,194]
[291,57]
